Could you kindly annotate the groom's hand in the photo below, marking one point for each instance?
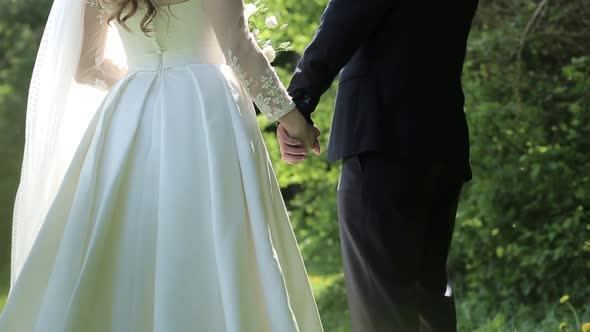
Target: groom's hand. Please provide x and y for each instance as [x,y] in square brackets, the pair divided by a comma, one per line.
[292,149]
[297,137]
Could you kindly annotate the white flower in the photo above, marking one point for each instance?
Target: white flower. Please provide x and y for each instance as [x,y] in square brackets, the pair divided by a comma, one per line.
[270,53]
[256,33]
[249,10]
[271,22]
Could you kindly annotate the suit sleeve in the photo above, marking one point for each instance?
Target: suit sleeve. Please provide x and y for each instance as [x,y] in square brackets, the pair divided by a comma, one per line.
[345,26]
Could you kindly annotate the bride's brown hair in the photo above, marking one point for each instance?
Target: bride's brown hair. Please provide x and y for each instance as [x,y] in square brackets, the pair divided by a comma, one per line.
[128,8]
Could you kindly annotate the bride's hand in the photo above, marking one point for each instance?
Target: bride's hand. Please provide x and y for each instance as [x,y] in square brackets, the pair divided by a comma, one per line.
[297,137]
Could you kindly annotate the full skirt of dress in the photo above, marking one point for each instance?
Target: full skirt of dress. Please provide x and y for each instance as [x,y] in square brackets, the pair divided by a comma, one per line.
[169,219]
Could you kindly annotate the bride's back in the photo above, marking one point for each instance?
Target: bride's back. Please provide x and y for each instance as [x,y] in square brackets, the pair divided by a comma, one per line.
[180,26]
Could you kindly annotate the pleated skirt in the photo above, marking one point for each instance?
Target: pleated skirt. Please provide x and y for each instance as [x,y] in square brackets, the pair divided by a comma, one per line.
[169,219]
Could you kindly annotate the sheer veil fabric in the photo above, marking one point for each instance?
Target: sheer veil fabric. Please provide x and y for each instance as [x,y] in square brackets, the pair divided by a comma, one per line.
[58,112]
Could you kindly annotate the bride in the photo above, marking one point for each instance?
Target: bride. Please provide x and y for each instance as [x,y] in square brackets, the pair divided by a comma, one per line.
[157,210]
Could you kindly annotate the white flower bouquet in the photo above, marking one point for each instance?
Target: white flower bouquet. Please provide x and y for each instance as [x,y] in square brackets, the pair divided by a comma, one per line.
[264,27]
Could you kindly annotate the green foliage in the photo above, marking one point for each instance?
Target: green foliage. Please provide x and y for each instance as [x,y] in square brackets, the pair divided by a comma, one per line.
[302,16]
[331,297]
[257,14]
[524,224]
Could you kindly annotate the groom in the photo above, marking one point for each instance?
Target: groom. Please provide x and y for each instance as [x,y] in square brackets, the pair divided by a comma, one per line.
[400,129]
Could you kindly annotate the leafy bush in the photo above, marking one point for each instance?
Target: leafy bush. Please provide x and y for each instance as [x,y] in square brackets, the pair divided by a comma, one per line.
[524,224]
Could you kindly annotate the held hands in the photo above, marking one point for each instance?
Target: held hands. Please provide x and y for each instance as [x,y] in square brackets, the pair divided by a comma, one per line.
[297,137]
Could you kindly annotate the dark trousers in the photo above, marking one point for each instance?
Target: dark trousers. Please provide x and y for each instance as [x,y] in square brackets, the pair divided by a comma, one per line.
[396,225]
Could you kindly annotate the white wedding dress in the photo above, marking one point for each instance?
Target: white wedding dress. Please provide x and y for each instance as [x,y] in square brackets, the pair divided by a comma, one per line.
[169,217]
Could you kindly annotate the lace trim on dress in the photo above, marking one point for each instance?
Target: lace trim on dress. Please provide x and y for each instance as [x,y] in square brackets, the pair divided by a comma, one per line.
[100,84]
[98,61]
[101,12]
[282,104]
[271,101]
[233,62]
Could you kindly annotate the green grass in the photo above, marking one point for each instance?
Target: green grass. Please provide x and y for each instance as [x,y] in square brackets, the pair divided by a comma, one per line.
[472,315]
[2,300]
[4,283]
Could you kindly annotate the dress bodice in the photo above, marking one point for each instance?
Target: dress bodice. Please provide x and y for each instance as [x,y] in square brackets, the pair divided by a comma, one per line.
[183,33]
[179,31]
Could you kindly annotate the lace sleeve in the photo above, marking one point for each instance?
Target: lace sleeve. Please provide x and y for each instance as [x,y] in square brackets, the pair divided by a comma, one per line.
[93,69]
[246,58]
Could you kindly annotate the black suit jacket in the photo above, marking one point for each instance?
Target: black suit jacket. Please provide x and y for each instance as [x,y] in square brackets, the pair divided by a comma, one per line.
[400,85]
